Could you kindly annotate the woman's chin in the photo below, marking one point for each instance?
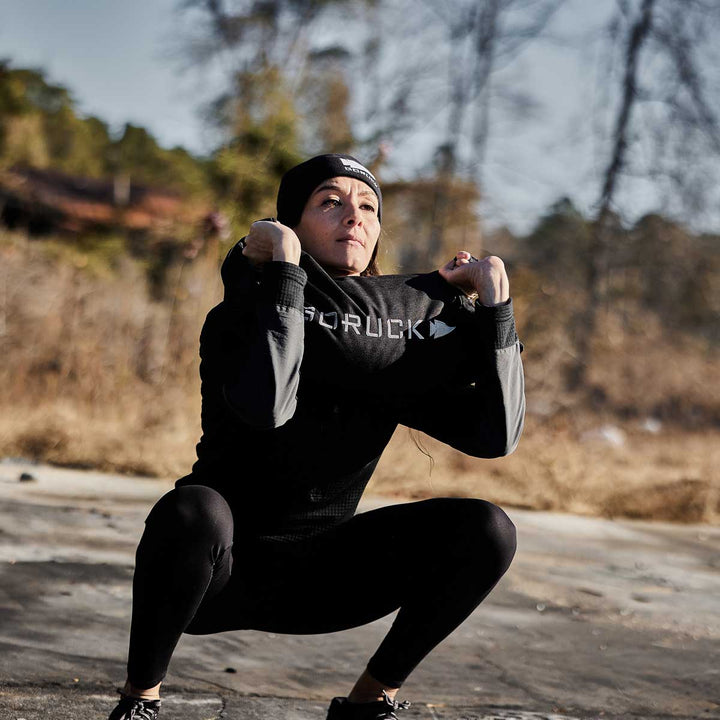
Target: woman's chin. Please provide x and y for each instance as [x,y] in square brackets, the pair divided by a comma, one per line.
[342,271]
[347,263]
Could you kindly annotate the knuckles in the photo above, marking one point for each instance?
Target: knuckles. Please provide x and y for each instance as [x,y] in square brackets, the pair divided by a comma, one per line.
[464,257]
[491,264]
[494,261]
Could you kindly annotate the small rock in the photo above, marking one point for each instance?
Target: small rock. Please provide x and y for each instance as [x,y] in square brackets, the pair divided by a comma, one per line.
[590,591]
[607,434]
[27,477]
[651,425]
[231,670]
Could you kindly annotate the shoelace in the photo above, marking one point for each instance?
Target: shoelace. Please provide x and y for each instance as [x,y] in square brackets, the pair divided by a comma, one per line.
[141,712]
[139,709]
[393,705]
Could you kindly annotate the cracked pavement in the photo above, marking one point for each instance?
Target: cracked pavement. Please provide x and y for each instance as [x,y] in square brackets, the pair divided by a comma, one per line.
[595,619]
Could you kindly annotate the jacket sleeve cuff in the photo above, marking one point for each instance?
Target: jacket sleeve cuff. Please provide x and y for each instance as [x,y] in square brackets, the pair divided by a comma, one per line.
[283,284]
[499,323]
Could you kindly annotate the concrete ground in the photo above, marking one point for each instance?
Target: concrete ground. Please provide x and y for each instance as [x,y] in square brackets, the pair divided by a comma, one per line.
[595,619]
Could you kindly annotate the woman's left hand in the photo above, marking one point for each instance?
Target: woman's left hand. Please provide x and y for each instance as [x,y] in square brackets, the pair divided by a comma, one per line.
[270,240]
[486,277]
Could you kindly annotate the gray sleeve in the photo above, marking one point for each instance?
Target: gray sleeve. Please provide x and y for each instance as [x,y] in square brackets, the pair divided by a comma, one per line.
[263,369]
[483,417]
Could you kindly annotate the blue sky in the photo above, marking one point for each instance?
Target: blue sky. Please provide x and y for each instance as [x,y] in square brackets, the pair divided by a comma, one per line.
[117,59]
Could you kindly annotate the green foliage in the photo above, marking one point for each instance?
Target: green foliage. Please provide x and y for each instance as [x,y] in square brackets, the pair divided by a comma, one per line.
[658,264]
[325,102]
[40,127]
[137,155]
[270,118]
[76,146]
[557,247]
[263,145]
[24,91]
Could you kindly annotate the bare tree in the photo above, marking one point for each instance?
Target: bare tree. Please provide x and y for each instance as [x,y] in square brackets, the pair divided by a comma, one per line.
[664,107]
[482,38]
[253,35]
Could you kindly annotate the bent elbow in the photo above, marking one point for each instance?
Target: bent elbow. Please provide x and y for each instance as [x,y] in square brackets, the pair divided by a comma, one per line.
[281,414]
[265,419]
[486,447]
[270,420]
[510,446]
[496,444]
[263,415]
[493,450]
[514,431]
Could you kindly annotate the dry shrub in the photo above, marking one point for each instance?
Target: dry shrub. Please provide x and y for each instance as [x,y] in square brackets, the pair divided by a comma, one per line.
[686,499]
[559,466]
[154,438]
[95,373]
[640,369]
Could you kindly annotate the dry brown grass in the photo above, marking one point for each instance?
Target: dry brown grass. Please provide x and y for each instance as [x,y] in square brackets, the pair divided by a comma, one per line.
[664,476]
[96,374]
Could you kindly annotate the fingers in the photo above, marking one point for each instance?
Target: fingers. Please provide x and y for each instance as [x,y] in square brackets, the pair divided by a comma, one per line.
[463,257]
[258,242]
[456,271]
[486,278]
[270,240]
[448,266]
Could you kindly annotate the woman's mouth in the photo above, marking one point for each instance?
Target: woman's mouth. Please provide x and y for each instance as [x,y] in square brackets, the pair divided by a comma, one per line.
[351,240]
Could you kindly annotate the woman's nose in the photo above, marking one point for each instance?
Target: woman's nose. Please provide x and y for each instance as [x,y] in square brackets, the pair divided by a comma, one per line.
[352,215]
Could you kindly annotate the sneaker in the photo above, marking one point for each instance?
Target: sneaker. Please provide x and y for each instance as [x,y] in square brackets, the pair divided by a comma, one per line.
[385,709]
[135,709]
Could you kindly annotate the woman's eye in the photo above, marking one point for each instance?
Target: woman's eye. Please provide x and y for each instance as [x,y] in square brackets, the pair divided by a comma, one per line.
[369,207]
[331,202]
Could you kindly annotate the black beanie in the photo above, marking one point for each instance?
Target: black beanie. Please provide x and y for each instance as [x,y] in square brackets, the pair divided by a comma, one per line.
[298,183]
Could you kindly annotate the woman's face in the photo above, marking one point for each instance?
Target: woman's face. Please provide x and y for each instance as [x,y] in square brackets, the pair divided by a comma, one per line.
[339,226]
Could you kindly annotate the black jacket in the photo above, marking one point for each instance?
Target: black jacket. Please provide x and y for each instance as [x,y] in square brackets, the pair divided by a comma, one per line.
[305,377]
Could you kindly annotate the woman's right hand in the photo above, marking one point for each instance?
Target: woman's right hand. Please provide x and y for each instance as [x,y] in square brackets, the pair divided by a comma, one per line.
[270,240]
[486,277]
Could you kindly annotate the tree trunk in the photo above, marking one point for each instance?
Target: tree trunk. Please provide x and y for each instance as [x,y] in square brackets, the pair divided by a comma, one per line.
[601,239]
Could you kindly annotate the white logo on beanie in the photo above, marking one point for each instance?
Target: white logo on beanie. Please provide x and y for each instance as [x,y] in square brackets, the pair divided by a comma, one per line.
[352,165]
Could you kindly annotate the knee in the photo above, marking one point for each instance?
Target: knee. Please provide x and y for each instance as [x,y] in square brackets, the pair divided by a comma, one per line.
[486,532]
[192,512]
[502,534]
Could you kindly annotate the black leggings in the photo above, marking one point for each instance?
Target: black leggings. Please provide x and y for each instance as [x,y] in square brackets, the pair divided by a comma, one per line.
[436,560]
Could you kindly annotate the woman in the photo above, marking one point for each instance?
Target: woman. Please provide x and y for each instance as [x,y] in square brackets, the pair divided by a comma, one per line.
[307,367]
